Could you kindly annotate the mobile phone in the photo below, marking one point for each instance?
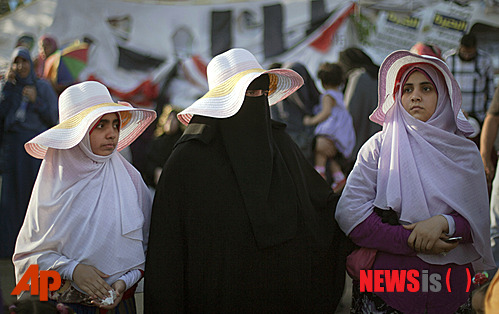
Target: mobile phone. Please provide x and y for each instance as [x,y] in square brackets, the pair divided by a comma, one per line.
[453,239]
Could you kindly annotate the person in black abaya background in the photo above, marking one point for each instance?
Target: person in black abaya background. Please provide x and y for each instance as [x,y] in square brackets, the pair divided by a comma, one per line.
[241,222]
[361,93]
[298,105]
[167,132]
[28,107]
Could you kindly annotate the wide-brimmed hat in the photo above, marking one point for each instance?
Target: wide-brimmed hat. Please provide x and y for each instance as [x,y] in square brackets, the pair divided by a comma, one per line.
[229,75]
[390,73]
[79,106]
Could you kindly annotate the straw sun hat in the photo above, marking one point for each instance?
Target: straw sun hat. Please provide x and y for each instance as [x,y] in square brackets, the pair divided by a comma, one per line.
[229,75]
[392,69]
[79,106]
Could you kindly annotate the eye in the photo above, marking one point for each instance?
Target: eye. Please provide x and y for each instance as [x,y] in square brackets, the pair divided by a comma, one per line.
[407,89]
[428,88]
[256,92]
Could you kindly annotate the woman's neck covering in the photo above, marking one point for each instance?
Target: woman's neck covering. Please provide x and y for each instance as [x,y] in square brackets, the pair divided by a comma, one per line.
[24,53]
[87,208]
[431,168]
[263,178]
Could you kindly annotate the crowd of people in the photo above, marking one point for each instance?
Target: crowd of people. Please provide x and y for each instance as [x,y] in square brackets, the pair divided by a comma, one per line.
[262,195]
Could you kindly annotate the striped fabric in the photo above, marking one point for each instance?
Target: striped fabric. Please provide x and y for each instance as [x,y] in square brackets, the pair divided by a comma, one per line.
[476,80]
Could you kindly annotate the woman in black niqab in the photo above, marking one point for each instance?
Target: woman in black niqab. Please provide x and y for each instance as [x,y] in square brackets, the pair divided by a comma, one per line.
[242,222]
[248,140]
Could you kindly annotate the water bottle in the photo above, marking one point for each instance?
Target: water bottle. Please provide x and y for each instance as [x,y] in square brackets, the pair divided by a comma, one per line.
[21,111]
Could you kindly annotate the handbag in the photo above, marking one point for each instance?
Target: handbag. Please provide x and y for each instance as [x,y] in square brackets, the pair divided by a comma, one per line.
[360,259]
[363,258]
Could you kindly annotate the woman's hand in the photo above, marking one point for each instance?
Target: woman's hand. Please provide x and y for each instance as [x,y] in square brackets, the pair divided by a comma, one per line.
[30,93]
[428,233]
[89,279]
[489,169]
[442,247]
[120,287]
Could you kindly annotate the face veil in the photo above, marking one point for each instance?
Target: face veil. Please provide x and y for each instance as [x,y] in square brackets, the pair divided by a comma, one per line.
[265,182]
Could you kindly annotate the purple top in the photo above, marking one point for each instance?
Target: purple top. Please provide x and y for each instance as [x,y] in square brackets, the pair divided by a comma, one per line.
[395,253]
[338,127]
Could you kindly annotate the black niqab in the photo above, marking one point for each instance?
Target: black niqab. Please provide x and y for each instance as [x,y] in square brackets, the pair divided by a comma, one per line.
[265,182]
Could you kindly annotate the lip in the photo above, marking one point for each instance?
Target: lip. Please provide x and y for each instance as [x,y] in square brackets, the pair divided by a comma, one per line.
[108,146]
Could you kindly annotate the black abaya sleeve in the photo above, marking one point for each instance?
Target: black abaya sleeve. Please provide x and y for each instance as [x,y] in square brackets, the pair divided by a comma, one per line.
[164,260]
[331,240]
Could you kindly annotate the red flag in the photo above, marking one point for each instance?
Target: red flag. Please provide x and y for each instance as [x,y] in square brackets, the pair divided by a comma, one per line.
[323,42]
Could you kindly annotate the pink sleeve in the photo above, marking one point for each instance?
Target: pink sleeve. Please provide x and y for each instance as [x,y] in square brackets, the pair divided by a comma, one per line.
[373,233]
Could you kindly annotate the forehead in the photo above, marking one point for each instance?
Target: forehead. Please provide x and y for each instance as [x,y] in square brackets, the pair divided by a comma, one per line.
[20,59]
[110,116]
[417,77]
[465,48]
[261,82]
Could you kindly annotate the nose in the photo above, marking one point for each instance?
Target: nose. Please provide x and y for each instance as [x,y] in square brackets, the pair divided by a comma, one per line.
[111,133]
[415,96]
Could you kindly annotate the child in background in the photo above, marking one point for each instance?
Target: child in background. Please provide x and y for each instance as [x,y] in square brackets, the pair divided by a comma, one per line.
[334,132]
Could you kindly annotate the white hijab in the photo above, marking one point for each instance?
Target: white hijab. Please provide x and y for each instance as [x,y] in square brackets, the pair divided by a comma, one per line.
[426,169]
[88,208]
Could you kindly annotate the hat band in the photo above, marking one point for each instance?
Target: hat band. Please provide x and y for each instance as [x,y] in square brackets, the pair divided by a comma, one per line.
[227,87]
[76,119]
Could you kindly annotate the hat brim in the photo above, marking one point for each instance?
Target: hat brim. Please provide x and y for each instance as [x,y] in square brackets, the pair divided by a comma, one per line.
[70,132]
[387,79]
[225,99]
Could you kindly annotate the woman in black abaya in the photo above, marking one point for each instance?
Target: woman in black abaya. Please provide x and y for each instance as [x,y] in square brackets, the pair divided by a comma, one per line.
[241,221]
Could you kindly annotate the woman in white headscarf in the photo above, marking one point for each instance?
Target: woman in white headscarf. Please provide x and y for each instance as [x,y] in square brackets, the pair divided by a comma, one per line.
[88,217]
[415,184]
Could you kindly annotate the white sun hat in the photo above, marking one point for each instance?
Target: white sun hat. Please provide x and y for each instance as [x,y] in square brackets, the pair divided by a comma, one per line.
[79,106]
[229,75]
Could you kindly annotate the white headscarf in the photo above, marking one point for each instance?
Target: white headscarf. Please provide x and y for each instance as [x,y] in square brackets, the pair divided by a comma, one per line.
[88,208]
[426,169]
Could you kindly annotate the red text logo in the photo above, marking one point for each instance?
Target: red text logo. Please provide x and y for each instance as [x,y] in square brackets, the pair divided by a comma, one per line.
[383,280]
[41,287]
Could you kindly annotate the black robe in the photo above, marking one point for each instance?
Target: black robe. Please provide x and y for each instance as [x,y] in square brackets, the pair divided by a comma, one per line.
[202,254]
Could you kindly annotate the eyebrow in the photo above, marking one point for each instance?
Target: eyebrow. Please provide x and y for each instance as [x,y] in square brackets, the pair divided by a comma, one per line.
[107,120]
[422,83]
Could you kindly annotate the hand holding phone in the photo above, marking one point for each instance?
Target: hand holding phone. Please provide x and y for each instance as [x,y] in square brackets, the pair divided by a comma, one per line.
[453,239]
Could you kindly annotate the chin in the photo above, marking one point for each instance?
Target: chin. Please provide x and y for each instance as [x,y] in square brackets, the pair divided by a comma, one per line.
[105,153]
